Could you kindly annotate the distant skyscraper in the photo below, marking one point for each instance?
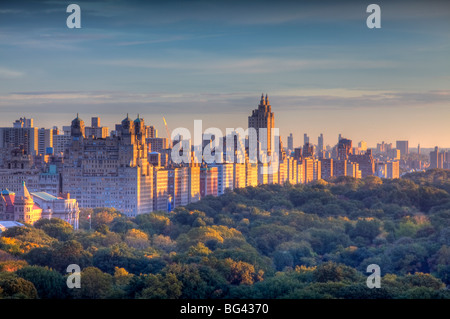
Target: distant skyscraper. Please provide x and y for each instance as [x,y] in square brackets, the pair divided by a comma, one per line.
[403,147]
[290,142]
[344,148]
[263,117]
[435,158]
[320,146]
[22,134]
[362,146]
[305,138]
[308,150]
[418,149]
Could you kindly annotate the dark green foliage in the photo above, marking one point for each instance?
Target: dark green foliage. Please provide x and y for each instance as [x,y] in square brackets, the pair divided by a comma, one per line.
[270,241]
[49,284]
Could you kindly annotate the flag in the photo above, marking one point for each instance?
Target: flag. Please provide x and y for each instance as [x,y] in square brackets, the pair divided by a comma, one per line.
[89,216]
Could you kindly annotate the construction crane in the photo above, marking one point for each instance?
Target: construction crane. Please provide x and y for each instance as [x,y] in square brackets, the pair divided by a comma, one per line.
[168,133]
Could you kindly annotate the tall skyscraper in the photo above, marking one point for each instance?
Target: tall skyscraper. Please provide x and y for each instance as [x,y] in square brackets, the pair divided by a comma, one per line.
[263,118]
[320,146]
[290,142]
[305,138]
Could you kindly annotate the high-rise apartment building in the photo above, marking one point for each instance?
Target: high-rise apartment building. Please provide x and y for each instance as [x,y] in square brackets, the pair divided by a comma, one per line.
[45,140]
[436,158]
[366,163]
[178,185]
[327,168]
[403,147]
[263,118]
[208,181]
[109,172]
[344,148]
[22,134]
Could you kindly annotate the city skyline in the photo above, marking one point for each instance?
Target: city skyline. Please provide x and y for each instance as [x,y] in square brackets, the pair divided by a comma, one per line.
[323,69]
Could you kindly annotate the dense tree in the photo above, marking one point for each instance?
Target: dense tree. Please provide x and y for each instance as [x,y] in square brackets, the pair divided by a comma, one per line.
[49,284]
[14,287]
[270,241]
[55,227]
[95,284]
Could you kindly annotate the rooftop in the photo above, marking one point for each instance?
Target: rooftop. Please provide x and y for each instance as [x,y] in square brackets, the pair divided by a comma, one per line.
[44,196]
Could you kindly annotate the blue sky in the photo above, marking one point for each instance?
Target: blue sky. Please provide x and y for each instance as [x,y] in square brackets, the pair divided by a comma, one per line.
[324,70]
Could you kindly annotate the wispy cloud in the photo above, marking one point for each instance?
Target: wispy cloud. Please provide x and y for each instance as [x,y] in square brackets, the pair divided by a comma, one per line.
[10,74]
[258,65]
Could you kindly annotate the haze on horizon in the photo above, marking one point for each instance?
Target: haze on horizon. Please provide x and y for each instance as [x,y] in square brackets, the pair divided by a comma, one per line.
[323,69]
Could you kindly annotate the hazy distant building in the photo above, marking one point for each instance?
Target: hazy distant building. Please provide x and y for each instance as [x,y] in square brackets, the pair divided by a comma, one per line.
[340,168]
[21,134]
[320,145]
[45,140]
[308,150]
[344,148]
[393,169]
[290,142]
[362,146]
[436,158]
[305,138]
[403,147]
[96,130]
[327,168]
[366,163]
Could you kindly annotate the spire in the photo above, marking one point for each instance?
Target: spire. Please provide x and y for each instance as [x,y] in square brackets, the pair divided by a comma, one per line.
[262,99]
[26,193]
[267,99]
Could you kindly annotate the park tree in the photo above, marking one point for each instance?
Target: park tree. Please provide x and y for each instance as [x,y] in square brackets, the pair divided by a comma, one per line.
[95,284]
[49,283]
[55,227]
[14,287]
